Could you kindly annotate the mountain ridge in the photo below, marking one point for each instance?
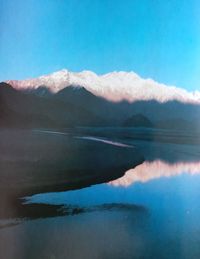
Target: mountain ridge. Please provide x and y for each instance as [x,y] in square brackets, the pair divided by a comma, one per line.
[114,86]
[76,106]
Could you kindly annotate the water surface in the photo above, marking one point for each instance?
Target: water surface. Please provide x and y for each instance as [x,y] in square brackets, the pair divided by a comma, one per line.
[152,211]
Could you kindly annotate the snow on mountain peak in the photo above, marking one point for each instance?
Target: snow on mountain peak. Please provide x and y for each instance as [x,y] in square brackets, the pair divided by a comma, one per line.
[114,86]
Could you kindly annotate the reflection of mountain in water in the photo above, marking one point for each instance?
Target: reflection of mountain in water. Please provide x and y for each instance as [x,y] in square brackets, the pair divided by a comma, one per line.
[153,170]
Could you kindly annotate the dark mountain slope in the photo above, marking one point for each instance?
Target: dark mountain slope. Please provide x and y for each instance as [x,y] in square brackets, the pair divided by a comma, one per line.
[79,96]
[75,106]
[32,110]
[118,113]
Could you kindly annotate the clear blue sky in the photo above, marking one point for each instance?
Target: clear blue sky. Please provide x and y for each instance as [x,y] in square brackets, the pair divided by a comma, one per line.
[155,38]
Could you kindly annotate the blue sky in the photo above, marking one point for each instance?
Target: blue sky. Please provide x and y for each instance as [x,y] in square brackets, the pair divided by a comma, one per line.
[154,38]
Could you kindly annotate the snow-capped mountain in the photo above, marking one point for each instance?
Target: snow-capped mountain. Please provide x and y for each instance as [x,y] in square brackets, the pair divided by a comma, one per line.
[115,86]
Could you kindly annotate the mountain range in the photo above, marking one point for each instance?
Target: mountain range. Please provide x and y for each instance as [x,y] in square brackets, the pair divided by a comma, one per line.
[115,86]
[66,99]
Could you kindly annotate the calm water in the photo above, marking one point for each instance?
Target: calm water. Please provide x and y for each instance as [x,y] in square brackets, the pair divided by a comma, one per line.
[153,211]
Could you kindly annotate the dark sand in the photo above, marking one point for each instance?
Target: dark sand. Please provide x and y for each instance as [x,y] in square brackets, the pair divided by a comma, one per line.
[35,161]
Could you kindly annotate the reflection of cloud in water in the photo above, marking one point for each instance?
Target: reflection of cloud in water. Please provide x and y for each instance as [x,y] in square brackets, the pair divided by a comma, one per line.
[156,169]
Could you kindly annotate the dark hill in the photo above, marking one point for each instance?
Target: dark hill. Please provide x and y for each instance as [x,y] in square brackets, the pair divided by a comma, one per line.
[138,120]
